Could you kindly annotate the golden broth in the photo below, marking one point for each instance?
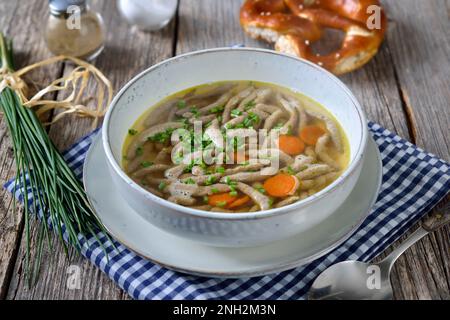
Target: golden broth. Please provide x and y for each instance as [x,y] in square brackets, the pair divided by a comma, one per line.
[149,161]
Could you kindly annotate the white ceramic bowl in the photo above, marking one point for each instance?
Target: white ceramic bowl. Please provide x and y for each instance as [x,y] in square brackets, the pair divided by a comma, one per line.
[184,71]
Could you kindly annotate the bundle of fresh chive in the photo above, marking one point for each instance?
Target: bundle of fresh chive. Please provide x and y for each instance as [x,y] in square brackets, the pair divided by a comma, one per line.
[48,184]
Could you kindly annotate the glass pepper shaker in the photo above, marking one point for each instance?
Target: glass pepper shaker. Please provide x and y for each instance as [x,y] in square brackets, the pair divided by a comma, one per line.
[73,29]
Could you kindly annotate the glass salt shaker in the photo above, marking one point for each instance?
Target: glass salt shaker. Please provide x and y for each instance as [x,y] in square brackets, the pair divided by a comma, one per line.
[148,15]
[73,29]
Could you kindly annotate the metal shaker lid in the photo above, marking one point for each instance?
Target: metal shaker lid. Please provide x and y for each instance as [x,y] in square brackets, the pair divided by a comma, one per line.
[59,6]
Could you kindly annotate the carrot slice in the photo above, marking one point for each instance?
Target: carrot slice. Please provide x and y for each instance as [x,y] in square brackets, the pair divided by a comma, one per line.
[291,145]
[221,199]
[281,185]
[310,134]
[239,202]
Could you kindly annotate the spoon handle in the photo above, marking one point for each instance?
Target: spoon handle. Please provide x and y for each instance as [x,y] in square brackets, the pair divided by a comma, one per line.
[430,224]
[387,263]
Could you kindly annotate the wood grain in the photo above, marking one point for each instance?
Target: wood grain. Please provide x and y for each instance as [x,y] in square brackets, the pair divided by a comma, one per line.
[136,52]
[378,89]
[405,88]
[29,47]
[420,45]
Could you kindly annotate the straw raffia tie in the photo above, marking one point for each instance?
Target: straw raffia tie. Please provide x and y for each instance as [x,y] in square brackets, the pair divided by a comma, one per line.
[75,82]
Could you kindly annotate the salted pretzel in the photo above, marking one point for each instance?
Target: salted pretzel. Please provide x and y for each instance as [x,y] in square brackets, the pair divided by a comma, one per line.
[293,25]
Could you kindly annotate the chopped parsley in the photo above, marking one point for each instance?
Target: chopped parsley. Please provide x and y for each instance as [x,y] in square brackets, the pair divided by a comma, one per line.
[139,151]
[233,193]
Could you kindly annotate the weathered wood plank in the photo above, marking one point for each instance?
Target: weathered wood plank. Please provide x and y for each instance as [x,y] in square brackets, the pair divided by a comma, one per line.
[29,47]
[208,24]
[387,90]
[375,86]
[420,45]
[127,52]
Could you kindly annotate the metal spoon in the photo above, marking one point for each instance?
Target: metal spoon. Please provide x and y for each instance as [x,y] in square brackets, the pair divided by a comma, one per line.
[354,280]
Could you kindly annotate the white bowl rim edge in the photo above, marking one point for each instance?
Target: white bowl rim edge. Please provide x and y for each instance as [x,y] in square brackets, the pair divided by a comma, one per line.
[359,155]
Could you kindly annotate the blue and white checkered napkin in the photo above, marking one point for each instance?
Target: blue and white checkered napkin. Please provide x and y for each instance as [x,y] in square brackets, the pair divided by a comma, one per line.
[413,182]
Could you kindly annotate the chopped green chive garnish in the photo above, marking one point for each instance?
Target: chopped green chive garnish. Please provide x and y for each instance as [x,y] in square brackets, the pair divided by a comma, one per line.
[146,164]
[214,190]
[260,188]
[210,180]
[270,202]
[139,151]
[290,170]
[181,104]
[217,109]
[230,182]
[205,199]
[162,186]
[249,105]
[236,113]
[195,112]
[233,193]
[189,181]
[132,132]
[278,126]
[220,170]
[251,120]
[221,204]
[290,130]
[162,137]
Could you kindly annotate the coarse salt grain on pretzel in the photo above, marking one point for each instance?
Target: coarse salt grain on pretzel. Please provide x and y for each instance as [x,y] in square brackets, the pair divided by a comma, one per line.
[351,16]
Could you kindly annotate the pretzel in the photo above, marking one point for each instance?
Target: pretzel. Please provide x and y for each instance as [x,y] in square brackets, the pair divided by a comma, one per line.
[293,25]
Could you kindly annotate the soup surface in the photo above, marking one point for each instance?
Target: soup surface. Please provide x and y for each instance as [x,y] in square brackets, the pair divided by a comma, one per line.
[235,146]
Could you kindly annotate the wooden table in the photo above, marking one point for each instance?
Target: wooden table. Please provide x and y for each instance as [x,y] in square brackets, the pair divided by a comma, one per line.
[406,88]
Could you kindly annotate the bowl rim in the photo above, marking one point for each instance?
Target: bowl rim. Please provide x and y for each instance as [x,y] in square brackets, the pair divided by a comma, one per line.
[359,154]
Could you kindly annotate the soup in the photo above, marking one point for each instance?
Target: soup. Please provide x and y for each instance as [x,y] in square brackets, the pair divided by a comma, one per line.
[235,146]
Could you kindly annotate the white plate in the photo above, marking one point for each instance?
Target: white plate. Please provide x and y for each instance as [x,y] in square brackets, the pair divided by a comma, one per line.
[182,255]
